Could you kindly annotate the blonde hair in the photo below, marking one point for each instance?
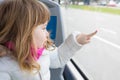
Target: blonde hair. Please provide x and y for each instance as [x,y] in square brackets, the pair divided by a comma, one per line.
[18,18]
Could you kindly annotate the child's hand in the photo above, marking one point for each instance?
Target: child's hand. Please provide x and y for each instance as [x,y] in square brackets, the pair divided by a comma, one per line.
[85,38]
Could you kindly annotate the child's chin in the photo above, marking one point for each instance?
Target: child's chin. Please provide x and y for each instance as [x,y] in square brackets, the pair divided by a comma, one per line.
[44,43]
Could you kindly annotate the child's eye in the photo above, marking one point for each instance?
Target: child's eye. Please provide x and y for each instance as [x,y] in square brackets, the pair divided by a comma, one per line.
[44,29]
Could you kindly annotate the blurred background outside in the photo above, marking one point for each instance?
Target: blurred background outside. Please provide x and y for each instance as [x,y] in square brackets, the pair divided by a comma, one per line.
[100,59]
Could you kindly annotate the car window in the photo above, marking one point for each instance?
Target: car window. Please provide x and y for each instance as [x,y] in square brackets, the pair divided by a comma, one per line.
[100,59]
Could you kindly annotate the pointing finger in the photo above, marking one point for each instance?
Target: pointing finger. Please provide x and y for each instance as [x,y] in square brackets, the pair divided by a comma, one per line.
[92,34]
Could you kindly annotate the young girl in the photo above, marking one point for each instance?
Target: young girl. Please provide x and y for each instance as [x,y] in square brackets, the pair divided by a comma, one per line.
[26,52]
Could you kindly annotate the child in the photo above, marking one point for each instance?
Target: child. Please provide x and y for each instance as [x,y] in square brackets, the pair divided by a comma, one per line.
[26,52]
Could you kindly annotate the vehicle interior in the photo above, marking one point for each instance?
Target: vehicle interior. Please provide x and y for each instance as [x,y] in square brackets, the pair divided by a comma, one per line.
[99,60]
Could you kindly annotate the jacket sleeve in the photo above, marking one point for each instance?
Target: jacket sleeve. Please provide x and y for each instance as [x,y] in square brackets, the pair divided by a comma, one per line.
[4,76]
[61,55]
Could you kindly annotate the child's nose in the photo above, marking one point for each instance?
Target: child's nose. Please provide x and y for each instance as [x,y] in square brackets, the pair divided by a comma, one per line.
[47,34]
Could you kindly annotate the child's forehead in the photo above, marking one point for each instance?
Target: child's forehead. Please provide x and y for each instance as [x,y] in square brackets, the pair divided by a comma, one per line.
[46,22]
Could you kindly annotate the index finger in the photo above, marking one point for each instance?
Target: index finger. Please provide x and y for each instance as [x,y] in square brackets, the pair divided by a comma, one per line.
[92,34]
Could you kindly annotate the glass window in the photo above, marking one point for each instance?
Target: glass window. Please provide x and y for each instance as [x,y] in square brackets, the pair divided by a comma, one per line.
[100,59]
